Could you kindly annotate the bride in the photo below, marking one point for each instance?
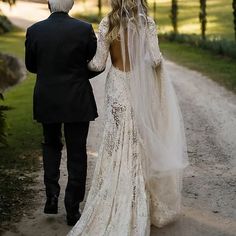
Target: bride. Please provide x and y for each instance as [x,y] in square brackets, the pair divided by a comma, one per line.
[137,179]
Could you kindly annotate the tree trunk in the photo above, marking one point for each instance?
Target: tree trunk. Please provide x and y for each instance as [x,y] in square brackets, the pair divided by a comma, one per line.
[154,9]
[174,15]
[203,18]
[99,8]
[234,14]
[10,2]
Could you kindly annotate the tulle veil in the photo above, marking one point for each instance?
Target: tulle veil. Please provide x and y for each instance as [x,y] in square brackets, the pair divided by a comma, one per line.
[157,115]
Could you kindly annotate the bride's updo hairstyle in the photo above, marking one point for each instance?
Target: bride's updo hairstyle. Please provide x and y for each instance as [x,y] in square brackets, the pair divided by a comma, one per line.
[120,9]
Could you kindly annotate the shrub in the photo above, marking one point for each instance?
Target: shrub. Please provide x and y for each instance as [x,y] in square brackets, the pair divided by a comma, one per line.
[12,71]
[5,24]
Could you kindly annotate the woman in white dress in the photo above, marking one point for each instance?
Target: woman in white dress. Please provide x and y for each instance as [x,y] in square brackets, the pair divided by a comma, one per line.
[137,179]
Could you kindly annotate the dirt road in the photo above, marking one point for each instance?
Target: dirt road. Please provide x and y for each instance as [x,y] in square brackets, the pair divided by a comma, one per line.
[209,193]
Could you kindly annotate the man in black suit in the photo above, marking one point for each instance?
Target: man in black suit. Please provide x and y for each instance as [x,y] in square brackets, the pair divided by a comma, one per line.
[58,50]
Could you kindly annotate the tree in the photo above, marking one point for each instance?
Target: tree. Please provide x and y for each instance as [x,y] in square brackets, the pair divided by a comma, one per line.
[174,15]
[154,9]
[203,18]
[10,2]
[5,24]
[99,8]
[234,13]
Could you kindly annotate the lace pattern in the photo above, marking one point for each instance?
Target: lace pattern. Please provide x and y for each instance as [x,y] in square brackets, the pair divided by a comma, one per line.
[154,49]
[120,202]
[98,63]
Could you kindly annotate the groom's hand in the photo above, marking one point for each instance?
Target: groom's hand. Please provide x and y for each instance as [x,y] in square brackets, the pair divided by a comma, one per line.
[93,74]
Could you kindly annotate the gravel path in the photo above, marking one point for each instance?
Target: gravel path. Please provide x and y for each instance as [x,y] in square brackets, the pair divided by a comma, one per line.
[209,194]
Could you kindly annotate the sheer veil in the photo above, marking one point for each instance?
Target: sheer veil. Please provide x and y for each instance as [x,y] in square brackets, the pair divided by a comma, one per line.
[156,111]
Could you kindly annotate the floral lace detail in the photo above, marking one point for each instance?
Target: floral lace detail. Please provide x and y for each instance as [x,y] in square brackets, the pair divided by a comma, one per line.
[98,63]
[165,202]
[154,49]
[120,202]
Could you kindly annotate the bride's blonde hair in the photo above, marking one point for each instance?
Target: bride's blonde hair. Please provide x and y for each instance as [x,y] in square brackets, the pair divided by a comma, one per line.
[115,16]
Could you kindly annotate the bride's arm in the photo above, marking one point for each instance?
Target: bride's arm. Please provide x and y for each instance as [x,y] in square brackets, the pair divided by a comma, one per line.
[155,53]
[98,63]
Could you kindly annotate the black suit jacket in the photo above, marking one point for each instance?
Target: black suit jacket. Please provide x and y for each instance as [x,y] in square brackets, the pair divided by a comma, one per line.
[58,50]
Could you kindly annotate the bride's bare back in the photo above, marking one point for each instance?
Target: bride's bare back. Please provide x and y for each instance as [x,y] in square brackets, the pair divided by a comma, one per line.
[114,48]
[116,55]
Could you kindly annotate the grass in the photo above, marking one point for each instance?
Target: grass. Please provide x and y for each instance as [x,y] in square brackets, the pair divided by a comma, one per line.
[219,16]
[220,69]
[20,158]
[220,25]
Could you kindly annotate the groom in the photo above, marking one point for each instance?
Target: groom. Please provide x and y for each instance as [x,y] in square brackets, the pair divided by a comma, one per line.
[58,50]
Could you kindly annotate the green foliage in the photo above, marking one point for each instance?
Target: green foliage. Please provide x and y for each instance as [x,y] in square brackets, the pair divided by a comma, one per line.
[5,24]
[174,15]
[12,71]
[217,46]
[203,18]
[219,17]
[234,14]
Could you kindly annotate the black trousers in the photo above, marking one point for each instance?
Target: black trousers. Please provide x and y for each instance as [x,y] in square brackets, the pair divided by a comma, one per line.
[75,138]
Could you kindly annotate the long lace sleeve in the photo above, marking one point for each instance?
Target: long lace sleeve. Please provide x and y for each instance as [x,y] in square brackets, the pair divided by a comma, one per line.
[154,49]
[98,63]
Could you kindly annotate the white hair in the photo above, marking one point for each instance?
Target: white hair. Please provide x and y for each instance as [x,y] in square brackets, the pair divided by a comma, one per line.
[61,5]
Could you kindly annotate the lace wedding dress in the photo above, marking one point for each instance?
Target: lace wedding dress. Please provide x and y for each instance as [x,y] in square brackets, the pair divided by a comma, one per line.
[120,201]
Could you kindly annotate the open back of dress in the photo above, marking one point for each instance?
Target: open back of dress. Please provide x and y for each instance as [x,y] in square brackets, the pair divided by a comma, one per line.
[116,55]
[137,179]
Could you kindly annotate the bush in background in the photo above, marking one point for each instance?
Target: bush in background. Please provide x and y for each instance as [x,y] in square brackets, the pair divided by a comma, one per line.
[5,24]
[12,72]
[218,46]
